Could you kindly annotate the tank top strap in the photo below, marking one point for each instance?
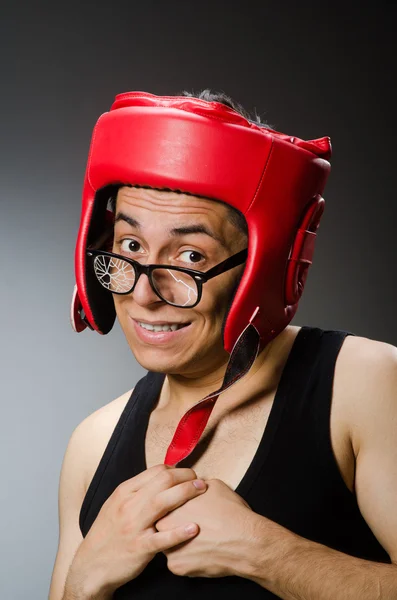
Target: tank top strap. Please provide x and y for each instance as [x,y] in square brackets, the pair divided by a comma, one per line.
[314,362]
[320,394]
[307,410]
[311,372]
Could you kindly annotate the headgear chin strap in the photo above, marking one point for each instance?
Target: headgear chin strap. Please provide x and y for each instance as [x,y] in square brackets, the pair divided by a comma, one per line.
[209,150]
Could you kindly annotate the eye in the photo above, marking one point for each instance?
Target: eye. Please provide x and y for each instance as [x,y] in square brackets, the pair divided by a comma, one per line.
[193,255]
[129,245]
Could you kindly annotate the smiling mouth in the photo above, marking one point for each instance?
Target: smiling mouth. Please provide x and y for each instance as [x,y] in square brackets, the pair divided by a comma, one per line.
[160,328]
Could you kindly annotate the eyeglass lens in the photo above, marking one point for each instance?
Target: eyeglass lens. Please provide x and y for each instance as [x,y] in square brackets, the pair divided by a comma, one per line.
[118,276]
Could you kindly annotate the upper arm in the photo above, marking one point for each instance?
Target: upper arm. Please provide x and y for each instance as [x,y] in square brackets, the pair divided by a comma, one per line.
[83,453]
[373,419]
[70,497]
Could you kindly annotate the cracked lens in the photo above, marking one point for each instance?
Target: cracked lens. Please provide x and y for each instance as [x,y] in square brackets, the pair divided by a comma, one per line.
[114,274]
[181,286]
[118,276]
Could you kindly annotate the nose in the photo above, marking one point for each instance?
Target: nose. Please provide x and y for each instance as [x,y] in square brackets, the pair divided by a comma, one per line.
[143,294]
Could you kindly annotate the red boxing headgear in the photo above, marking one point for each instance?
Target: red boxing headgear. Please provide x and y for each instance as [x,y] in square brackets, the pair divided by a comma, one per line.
[209,150]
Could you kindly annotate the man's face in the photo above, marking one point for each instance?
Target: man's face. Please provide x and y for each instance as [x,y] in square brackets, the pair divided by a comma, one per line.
[197,349]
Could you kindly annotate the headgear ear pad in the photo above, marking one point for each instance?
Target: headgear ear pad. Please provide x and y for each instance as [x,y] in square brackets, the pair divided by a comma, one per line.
[207,149]
[302,251]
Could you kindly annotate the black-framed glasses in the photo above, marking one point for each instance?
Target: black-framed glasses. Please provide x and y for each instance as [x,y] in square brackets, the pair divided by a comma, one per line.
[177,286]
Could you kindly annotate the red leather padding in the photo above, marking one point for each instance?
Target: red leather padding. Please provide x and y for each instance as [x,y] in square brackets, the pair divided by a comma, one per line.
[75,313]
[302,251]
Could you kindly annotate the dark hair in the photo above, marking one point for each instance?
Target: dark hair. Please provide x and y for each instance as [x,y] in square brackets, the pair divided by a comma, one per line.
[224,99]
[235,216]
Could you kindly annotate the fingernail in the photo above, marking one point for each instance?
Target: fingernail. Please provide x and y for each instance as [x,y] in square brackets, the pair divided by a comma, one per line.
[192,528]
[199,484]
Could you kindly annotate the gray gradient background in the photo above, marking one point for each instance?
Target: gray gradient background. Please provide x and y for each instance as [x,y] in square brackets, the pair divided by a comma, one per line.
[311,69]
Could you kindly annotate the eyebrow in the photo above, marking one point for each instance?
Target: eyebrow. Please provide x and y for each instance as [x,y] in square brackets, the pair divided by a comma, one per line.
[175,231]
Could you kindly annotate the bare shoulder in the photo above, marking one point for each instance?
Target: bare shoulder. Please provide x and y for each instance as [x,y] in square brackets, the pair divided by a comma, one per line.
[83,453]
[366,379]
[94,433]
[365,362]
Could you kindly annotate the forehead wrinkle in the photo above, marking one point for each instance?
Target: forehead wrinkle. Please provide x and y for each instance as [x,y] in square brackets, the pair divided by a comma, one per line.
[182,204]
[185,229]
[167,201]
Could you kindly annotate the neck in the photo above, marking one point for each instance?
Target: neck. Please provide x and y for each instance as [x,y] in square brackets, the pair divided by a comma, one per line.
[180,393]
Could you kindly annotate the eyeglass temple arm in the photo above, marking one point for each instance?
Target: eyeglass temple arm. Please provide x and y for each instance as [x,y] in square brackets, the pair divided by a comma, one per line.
[228,263]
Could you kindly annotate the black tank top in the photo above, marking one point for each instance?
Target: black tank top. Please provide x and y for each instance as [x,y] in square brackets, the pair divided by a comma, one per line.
[293,478]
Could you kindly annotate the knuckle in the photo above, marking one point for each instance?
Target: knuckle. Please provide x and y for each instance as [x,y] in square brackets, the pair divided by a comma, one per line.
[123,508]
[121,490]
[176,567]
[147,545]
[167,478]
[160,468]
[188,474]
[155,504]
[160,526]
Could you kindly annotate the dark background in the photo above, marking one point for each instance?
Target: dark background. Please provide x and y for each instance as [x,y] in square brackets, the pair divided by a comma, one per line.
[309,68]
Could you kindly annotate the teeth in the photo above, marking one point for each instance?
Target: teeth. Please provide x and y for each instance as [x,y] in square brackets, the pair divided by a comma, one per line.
[159,327]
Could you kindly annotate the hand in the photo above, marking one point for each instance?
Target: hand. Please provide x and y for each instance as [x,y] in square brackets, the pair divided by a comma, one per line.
[123,540]
[226,528]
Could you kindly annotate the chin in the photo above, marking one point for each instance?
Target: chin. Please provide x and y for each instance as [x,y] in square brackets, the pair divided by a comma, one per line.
[194,364]
[159,360]
[165,366]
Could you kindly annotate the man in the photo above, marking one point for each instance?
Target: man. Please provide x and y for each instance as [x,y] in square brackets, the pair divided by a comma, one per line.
[254,456]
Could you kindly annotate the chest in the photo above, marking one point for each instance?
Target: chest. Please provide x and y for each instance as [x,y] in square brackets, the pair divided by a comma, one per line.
[231,441]
[227,447]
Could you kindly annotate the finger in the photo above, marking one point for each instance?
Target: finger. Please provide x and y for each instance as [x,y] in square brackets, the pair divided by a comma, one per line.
[136,483]
[167,500]
[166,479]
[163,540]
